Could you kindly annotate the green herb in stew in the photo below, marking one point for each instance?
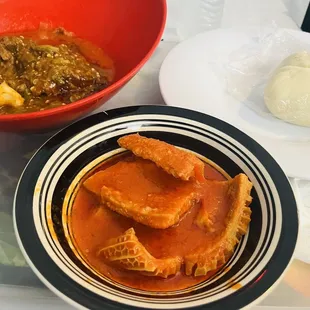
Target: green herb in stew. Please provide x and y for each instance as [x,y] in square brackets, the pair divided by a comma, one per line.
[36,77]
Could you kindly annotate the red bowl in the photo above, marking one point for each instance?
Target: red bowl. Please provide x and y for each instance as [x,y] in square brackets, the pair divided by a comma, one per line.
[127,30]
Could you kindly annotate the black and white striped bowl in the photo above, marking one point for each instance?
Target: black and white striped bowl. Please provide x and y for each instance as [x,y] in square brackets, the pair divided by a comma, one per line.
[258,262]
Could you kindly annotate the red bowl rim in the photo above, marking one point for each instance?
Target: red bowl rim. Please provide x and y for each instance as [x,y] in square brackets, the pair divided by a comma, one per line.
[77,104]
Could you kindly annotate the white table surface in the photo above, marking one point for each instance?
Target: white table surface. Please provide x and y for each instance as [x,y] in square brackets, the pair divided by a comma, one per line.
[293,292]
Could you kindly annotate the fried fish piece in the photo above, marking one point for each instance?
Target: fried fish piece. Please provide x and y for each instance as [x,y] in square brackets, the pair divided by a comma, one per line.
[179,163]
[140,190]
[235,225]
[127,252]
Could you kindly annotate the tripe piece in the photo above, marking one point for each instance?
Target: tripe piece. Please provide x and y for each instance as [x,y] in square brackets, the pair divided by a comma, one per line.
[140,190]
[179,163]
[127,252]
[236,221]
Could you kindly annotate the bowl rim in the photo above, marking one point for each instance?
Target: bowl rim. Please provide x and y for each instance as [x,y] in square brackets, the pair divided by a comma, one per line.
[271,279]
[6,118]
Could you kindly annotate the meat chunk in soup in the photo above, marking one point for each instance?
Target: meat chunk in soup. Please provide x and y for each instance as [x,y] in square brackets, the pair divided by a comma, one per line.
[179,163]
[127,252]
[234,226]
[140,190]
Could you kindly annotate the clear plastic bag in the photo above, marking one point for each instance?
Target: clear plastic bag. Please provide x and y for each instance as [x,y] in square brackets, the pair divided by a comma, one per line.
[249,68]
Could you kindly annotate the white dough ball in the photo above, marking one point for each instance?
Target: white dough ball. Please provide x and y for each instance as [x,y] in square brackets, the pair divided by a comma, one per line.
[287,94]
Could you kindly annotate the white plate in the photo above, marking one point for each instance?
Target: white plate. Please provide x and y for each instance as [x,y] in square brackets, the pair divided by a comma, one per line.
[187,79]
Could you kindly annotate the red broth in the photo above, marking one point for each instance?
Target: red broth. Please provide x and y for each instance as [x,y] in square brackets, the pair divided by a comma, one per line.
[92,225]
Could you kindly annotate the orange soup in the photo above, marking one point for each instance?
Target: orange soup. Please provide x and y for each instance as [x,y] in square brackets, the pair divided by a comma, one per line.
[159,219]
[93,224]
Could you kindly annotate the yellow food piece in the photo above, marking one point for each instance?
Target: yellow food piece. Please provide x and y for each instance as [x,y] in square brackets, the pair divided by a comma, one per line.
[8,96]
